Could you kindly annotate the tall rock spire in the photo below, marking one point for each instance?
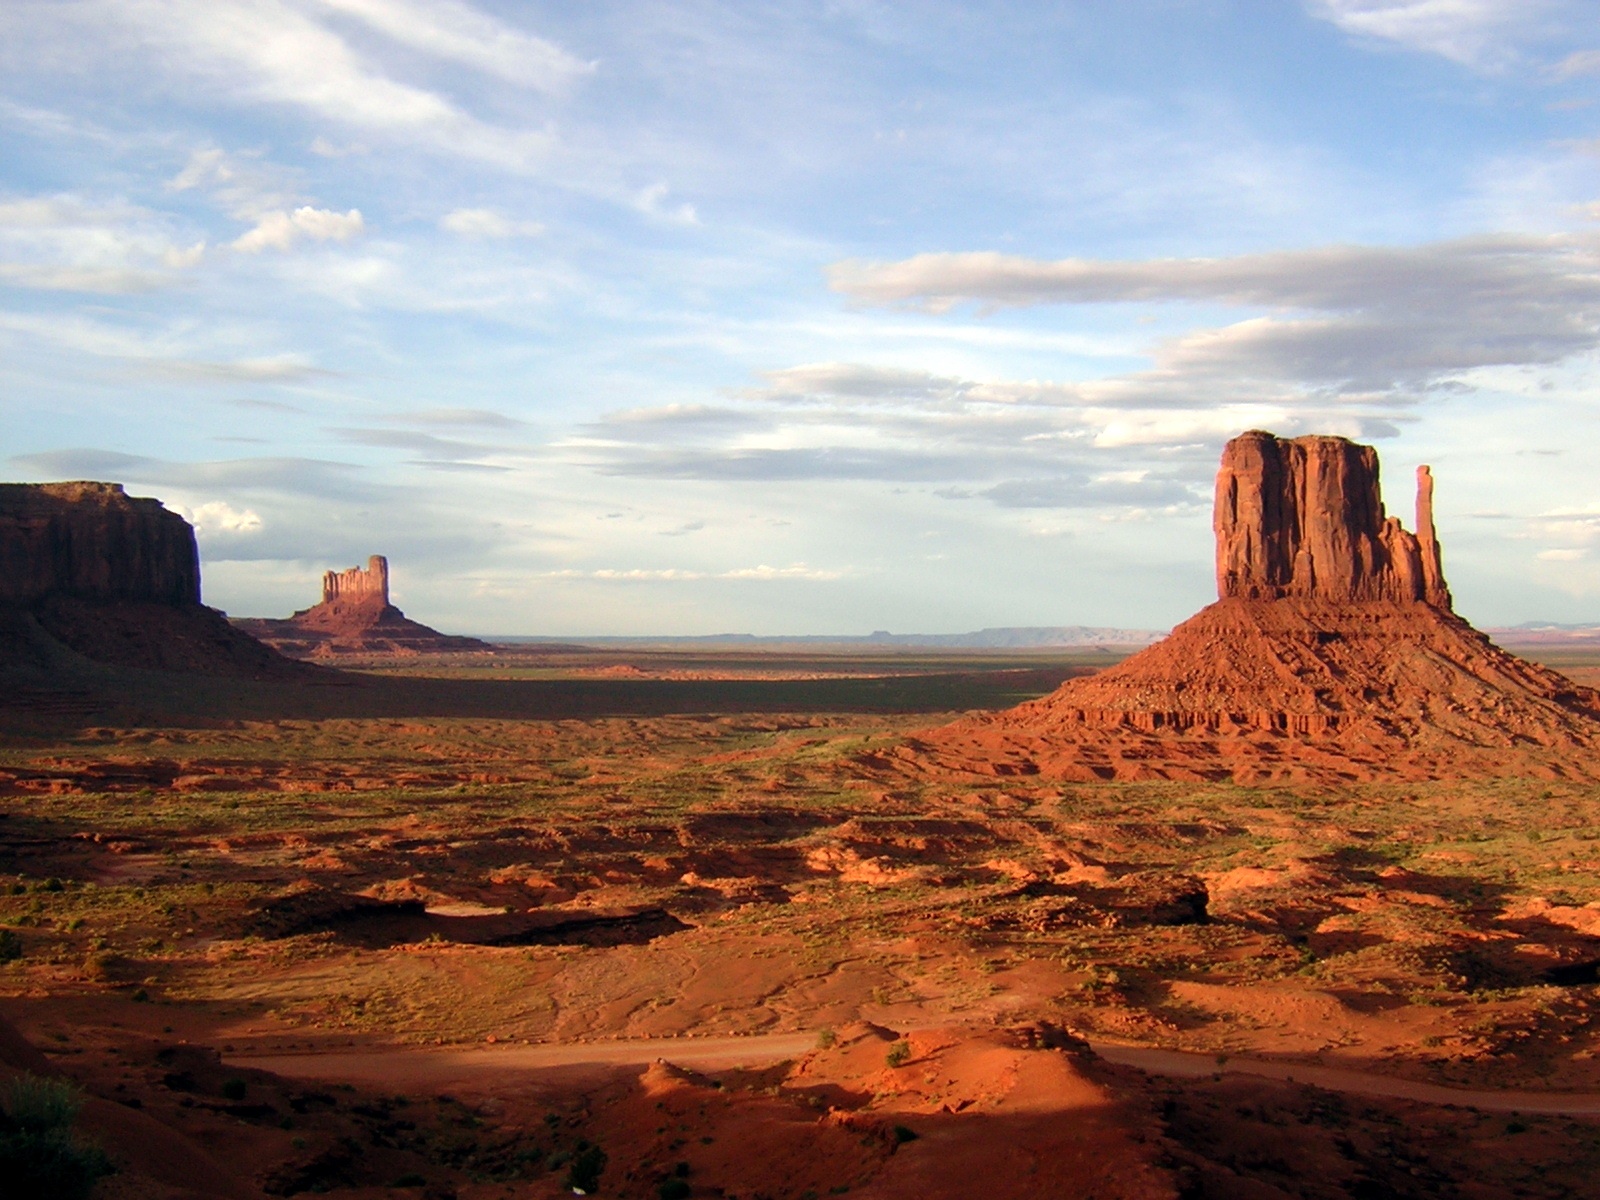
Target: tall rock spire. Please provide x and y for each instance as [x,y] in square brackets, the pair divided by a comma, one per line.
[1304,517]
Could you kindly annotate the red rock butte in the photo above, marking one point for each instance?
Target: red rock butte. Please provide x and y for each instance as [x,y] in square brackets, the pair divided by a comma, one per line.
[87,570]
[1332,653]
[355,617]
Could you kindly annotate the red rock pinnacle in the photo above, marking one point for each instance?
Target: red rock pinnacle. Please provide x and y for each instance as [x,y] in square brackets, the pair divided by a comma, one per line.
[355,617]
[370,585]
[1304,517]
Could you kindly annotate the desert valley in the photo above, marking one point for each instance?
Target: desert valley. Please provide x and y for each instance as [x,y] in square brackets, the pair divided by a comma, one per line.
[1302,900]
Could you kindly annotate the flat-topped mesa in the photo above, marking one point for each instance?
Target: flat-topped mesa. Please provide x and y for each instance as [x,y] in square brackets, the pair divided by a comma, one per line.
[362,586]
[93,542]
[1303,517]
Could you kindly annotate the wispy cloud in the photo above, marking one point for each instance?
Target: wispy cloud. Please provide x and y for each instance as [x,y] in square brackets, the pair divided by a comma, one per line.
[281,230]
[757,574]
[288,53]
[63,243]
[1480,33]
[1353,319]
[462,34]
[487,223]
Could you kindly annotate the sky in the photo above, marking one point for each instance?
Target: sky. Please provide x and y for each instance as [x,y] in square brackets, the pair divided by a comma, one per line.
[811,317]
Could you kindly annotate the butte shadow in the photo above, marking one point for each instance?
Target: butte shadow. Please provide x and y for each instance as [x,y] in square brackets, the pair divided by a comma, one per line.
[1332,654]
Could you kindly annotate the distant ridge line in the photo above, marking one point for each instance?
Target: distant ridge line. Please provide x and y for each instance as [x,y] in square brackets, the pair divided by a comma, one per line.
[1015,637]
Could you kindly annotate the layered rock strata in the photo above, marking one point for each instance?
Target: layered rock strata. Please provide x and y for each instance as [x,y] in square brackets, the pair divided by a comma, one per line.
[113,578]
[1332,653]
[355,617]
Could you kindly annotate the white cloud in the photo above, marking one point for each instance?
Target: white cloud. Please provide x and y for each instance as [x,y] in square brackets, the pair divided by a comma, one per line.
[459,33]
[1346,320]
[219,517]
[281,230]
[276,52]
[277,369]
[1479,33]
[651,201]
[759,574]
[62,243]
[487,223]
[245,185]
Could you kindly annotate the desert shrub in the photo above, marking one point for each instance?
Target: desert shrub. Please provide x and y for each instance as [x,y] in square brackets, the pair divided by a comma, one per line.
[588,1163]
[233,1089]
[673,1188]
[10,946]
[899,1054]
[39,1157]
[904,1134]
[826,1037]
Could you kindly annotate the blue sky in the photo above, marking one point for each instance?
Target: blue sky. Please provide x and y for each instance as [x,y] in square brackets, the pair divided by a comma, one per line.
[800,317]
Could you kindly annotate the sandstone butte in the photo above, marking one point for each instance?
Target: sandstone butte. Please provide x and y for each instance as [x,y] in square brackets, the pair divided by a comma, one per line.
[354,617]
[87,570]
[1332,653]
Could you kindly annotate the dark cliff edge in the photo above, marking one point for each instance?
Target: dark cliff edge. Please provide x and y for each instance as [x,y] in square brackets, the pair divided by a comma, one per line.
[91,575]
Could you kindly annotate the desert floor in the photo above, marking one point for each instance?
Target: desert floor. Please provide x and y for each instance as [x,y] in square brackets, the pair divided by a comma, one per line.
[471,927]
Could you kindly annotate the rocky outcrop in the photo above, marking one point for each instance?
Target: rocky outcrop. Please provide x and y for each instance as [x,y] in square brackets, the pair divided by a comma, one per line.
[357,586]
[355,617]
[1332,654]
[1304,517]
[115,579]
[92,541]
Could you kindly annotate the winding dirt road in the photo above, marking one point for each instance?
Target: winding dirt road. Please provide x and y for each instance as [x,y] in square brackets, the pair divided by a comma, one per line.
[398,1068]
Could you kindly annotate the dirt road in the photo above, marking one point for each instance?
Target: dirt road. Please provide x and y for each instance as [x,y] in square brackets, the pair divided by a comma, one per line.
[402,1067]
[1179,1064]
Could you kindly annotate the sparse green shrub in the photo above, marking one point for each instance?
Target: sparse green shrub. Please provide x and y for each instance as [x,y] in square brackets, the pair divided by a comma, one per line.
[410,1180]
[826,1038]
[233,1089]
[904,1134]
[673,1188]
[39,1157]
[588,1164]
[899,1053]
[10,946]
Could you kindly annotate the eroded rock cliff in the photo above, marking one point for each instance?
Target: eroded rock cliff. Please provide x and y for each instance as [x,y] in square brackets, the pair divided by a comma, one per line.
[115,579]
[1332,654]
[1304,517]
[92,541]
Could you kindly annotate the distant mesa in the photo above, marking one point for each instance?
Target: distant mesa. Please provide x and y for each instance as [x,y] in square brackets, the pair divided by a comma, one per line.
[87,570]
[355,617]
[1332,653]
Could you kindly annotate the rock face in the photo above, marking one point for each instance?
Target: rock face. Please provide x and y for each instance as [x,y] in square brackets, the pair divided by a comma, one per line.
[355,617]
[357,586]
[92,541]
[1304,517]
[113,578]
[1331,654]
